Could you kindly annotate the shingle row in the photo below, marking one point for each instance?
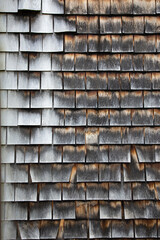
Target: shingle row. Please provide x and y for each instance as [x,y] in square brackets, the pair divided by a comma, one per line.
[80,99]
[72,136]
[91,118]
[79,81]
[65,173]
[79,43]
[84,7]
[80,62]
[79,24]
[96,229]
[78,154]
[68,210]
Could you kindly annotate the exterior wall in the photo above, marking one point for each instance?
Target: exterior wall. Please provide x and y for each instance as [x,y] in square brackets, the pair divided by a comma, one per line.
[80,119]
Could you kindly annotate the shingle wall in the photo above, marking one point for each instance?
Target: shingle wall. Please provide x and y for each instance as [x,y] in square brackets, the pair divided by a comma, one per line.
[80,119]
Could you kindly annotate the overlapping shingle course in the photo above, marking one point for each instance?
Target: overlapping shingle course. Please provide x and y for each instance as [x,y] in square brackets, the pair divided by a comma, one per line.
[80,154]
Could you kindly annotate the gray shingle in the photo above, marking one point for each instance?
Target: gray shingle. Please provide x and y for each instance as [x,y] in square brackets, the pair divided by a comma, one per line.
[2,61]
[80,135]
[97,154]
[140,81]
[18,136]
[98,117]
[26,192]
[50,192]
[7,192]
[78,7]
[30,43]
[64,210]
[52,43]
[134,171]
[74,191]
[52,117]
[41,99]
[93,43]
[87,24]
[146,229]
[96,81]
[114,81]
[64,24]
[144,44]
[87,173]
[62,136]
[133,24]
[28,230]
[73,154]
[131,99]
[9,117]
[110,135]
[122,43]
[16,173]
[105,44]
[75,118]
[33,5]
[57,62]
[156,81]
[40,210]
[151,99]
[143,7]
[118,154]
[145,153]
[29,118]
[152,172]
[110,25]
[9,42]
[39,62]
[50,154]
[52,6]
[75,43]
[92,135]
[9,6]
[133,135]
[16,211]
[120,117]
[121,7]
[110,210]
[9,230]
[18,99]
[3,23]
[85,62]
[143,191]
[41,173]
[16,62]
[75,229]
[49,229]
[7,154]
[100,229]
[109,62]
[29,80]
[41,135]
[62,173]
[27,154]
[68,62]
[64,99]
[126,62]
[8,80]
[86,99]
[120,191]
[17,23]
[51,80]
[3,135]
[152,135]
[74,81]
[151,62]
[97,191]
[109,173]
[122,229]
